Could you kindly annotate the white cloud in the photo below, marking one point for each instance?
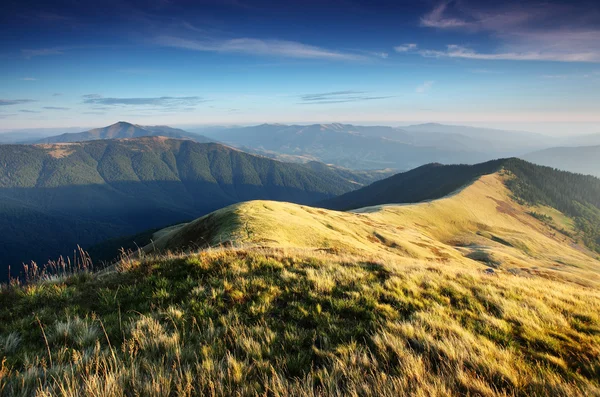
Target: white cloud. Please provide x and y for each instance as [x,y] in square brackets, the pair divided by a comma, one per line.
[425,87]
[281,48]
[405,47]
[458,51]
[436,18]
[538,32]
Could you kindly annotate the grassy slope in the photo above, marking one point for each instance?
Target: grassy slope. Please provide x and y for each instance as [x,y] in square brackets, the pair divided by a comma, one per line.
[382,301]
[480,218]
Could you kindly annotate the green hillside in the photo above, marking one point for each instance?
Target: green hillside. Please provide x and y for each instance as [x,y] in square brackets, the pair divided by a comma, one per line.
[53,197]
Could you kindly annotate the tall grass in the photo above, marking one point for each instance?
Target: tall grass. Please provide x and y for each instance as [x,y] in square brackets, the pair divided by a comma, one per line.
[286,322]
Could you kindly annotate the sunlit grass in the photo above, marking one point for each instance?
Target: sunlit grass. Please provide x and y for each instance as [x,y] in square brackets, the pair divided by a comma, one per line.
[287,322]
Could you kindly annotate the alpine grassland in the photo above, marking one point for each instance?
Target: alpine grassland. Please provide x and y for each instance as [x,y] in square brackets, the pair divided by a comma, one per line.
[466,295]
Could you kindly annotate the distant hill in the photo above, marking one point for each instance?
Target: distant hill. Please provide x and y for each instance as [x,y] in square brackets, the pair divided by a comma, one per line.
[54,196]
[582,159]
[501,142]
[371,147]
[31,135]
[581,140]
[123,130]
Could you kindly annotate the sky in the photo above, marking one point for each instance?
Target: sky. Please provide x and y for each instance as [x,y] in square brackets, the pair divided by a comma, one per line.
[529,65]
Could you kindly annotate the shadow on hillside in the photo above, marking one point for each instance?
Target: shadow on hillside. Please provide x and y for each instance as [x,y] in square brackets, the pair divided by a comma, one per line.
[38,224]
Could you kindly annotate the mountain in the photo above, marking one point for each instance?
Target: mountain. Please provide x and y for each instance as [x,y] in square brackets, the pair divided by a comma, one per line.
[371,147]
[500,142]
[582,159]
[123,130]
[344,145]
[481,292]
[581,140]
[54,196]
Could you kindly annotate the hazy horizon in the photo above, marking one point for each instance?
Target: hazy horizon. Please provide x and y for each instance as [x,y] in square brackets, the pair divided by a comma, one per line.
[549,129]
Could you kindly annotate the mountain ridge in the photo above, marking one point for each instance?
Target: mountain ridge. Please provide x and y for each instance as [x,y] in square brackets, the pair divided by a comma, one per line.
[121,130]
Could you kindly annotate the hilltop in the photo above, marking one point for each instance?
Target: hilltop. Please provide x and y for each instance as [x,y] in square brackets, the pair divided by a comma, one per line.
[481,222]
[55,196]
[475,293]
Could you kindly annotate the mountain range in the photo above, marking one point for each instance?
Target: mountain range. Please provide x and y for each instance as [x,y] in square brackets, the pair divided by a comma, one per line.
[365,147]
[55,196]
[579,159]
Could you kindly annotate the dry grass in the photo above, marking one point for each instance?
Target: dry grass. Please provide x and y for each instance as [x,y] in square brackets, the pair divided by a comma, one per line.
[300,301]
[295,322]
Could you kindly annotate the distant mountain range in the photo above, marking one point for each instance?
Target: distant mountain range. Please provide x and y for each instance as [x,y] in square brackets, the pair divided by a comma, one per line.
[368,147]
[54,196]
[581,159]
[123,130]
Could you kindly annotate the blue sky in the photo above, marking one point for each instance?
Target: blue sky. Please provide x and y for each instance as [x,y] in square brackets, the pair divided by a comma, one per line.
[67,63]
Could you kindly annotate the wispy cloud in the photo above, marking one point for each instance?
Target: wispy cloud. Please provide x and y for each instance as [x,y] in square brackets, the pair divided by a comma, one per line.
[29,111]
[338,97]
[425,87]
[28,79]
[7,102]
[566,32]
[278,48]
[40,52]
[55,108]
[458,51]
[164,101]
[589,75]
[405,47]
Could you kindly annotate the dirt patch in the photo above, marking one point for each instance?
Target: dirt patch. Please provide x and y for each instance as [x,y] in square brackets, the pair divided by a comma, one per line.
[59,152]
[504,207]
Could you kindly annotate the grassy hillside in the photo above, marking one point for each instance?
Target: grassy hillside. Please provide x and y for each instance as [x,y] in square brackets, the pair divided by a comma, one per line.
[577,196]
[388,300]
[427,182]
[53,197]
[122,130]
